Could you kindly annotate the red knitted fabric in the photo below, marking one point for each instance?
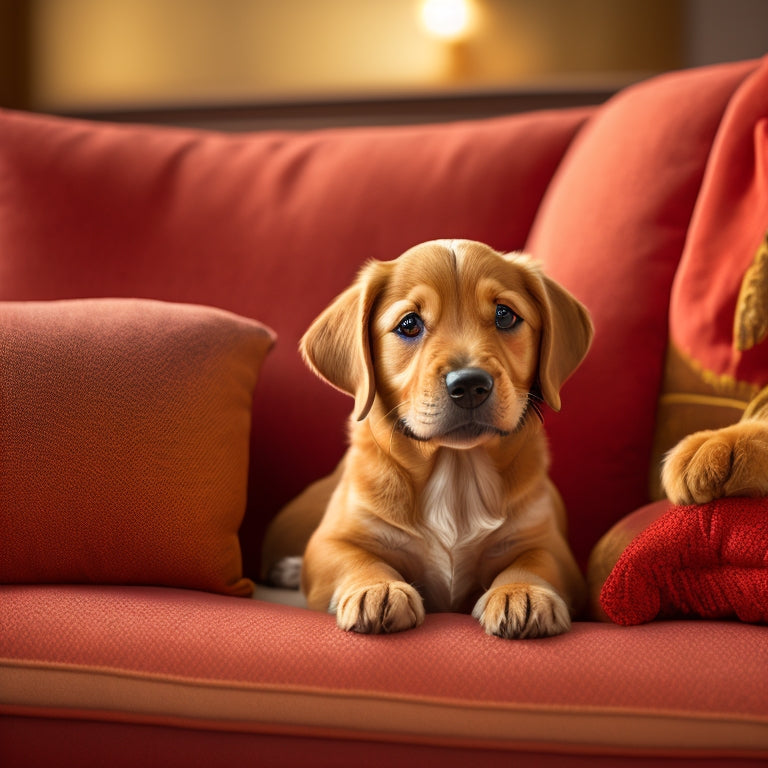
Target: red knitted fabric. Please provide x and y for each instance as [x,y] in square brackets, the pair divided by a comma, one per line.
[709,560]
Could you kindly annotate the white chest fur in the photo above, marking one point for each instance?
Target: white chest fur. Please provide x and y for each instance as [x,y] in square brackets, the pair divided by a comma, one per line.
[461,505]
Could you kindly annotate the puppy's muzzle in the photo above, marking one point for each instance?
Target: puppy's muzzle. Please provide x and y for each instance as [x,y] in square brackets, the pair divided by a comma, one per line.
[469,387]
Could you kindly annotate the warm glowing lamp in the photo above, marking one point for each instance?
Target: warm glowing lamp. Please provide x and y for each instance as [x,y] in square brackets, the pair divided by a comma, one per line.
[448,20]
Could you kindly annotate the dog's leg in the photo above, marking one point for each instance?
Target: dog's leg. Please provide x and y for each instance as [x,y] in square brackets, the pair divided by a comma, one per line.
[530,597]
[732,461]
[286,573]
[366,594]
[288,534]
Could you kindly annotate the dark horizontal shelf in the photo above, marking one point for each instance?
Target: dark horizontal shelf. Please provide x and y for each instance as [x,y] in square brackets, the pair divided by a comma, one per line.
[349,111]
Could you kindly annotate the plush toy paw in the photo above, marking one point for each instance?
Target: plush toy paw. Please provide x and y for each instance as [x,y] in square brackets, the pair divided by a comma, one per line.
[708,465]
[522,611]
[387,606]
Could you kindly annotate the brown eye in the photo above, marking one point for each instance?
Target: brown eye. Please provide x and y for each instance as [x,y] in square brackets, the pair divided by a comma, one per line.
[506,319]
[410,326]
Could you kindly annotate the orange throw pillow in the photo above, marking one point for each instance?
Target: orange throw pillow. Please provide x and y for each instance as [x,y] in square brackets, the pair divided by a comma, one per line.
[124,432]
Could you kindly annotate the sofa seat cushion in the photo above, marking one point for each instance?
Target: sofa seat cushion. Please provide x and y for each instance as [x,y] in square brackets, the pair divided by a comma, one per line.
[612,228]
[268,225]
[124,434]
[211,663]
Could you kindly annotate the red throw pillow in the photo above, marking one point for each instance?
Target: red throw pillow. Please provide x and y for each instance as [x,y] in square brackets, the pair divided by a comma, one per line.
[718,317]
[708,561]
[718,352]
[612,228]
[124,428]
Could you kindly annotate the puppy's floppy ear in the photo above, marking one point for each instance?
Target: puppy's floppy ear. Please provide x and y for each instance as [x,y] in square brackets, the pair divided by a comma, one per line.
[337,345]
[567,332]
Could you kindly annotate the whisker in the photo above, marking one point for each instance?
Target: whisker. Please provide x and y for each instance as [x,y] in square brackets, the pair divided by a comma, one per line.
[393,428]
[389,413]
[534,403]
[392,432]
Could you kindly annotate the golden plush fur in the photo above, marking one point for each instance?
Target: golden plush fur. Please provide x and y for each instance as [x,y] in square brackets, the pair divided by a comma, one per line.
[732,461]
[442,502]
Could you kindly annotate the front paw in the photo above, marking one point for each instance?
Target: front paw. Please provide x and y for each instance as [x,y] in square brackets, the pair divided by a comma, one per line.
[387,606]
[711,464]
[521,611]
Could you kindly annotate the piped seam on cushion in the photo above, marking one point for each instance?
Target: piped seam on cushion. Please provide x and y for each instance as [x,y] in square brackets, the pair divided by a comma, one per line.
[81,692]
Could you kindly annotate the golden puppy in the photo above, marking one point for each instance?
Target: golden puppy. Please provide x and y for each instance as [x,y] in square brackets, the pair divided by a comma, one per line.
[442,502]
[732,461]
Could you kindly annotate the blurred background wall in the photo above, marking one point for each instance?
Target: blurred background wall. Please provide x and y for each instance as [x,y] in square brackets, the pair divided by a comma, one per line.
[69,55]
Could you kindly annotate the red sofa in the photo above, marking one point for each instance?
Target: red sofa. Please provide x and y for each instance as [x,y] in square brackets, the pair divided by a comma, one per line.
[145,274]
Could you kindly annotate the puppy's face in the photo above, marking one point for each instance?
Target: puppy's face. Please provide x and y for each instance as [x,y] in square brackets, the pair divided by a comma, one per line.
[454,342]
[455,335]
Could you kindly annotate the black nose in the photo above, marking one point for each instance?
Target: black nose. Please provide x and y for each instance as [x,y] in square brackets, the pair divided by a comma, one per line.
[469,387]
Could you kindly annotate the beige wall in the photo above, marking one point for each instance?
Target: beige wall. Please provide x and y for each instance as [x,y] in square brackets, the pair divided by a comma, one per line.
[124,52]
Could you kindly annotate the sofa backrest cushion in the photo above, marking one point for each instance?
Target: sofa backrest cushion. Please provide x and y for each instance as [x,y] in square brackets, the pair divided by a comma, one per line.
[612,228]
[124,430]
[269,226]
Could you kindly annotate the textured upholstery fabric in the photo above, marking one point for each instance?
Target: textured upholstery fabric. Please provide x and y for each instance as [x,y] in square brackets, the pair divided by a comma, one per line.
[269,225]
[242,666]
[611,229]
[124,429]
[81,744]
